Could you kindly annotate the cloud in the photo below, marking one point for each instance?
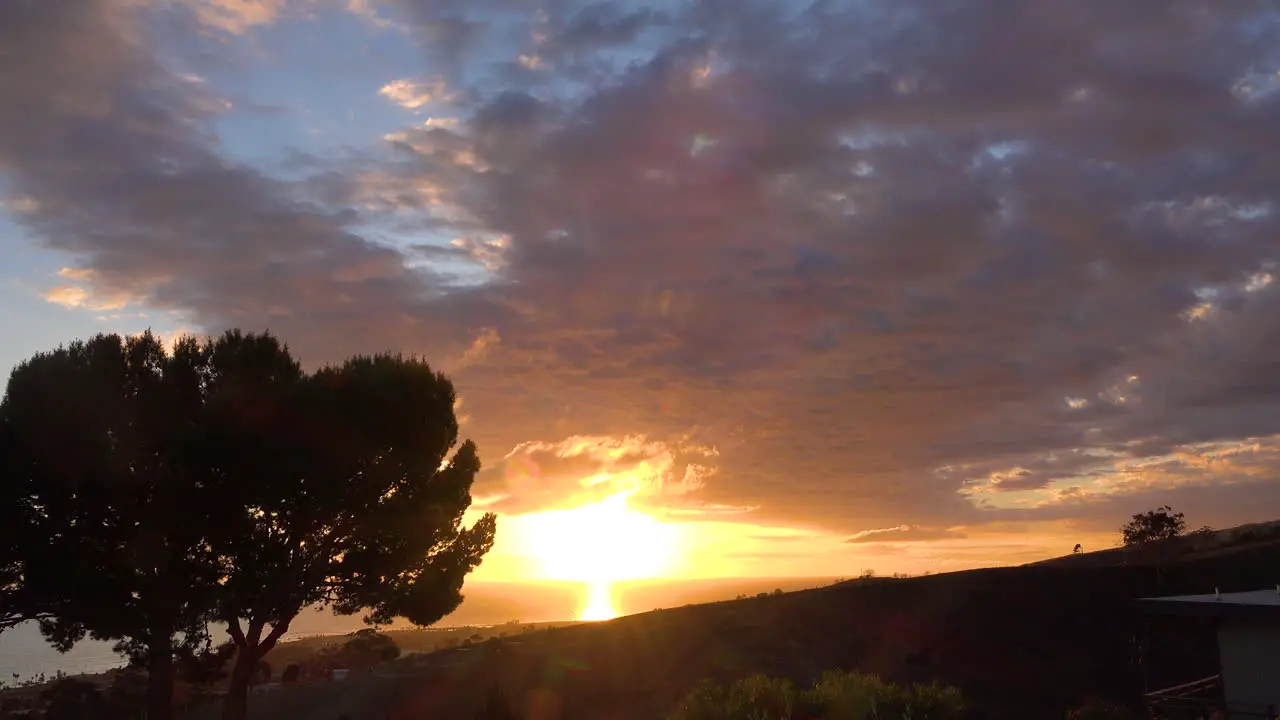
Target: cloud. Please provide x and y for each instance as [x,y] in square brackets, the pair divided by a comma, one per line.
[901,264]
[87,294]
[20,205]
[147,202]
[540,475]
[67,296]
[412,95]
[237,16]
[368,11]
[903,533]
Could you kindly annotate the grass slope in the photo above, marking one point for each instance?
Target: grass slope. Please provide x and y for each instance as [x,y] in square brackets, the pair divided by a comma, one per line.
[1026,642]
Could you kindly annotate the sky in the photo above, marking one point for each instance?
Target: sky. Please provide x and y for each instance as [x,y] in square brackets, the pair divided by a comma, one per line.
[727,287]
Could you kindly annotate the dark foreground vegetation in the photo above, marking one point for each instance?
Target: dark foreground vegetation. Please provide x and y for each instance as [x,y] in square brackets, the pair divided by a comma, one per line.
[147,492]
[1022,643]
[835,696]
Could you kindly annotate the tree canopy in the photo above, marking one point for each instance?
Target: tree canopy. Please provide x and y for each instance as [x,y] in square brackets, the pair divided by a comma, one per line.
[148,493]
[1155,525]
[341,490]
[103,490]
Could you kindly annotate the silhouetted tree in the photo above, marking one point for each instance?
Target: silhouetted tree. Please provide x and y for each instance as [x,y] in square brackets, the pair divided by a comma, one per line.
[1153,526]
[342,492]
[1153,531]
[146,492]
[206,665]
[1077,549]
[105,500]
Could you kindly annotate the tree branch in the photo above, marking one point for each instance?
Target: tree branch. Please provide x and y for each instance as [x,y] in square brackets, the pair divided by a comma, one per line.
[233,629]
[277,630]
[255,632]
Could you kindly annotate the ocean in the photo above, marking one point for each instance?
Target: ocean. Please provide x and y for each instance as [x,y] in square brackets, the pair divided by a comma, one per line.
[24,653]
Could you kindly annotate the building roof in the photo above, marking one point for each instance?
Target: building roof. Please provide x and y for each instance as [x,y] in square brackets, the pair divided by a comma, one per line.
[1252,604]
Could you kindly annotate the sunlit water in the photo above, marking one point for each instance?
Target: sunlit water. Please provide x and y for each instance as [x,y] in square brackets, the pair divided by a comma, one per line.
[598,602]
[24,652]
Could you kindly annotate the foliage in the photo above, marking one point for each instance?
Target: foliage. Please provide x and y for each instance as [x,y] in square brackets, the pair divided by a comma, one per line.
[367,648]
[1153,526]
[74,699]
[751,698]
[291,673]
[361,650]
[147,492]
[104,495]
[206,666]
[346,496]
[836,696]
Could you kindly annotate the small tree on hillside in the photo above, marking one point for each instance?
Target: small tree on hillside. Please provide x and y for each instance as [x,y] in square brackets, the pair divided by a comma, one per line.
[1152,532]
[1161,524]
[343,492]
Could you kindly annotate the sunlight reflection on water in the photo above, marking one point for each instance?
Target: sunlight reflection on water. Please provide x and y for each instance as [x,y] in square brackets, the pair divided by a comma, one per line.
[598,602]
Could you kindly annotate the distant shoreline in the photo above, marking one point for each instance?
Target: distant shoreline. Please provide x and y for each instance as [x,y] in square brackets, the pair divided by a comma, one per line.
[487,605]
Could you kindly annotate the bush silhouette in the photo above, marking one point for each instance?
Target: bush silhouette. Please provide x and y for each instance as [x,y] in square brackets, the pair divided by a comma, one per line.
[837,696]
[72,699]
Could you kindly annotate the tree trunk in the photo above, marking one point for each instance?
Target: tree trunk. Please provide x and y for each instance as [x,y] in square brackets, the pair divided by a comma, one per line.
[160,678]
[235,704]
[250,648]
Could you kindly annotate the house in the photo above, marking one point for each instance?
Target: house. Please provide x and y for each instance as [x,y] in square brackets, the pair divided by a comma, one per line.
[1247,625]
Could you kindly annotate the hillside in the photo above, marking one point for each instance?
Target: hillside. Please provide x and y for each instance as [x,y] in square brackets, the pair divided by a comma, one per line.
[1023,642]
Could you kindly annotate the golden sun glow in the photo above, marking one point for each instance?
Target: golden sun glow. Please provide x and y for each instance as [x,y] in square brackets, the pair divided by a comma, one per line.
[599,544]
[599,603]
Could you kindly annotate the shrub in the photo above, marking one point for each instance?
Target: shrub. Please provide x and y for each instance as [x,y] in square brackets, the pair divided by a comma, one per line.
[757,697]
[363,649]
[73,699]
[851,696]
[291,673]
[837,696]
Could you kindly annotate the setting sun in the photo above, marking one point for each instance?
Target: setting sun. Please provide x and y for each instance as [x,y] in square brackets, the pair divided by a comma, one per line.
[598,544]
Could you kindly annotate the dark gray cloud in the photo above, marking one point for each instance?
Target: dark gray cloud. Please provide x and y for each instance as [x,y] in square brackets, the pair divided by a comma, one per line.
[876,254]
